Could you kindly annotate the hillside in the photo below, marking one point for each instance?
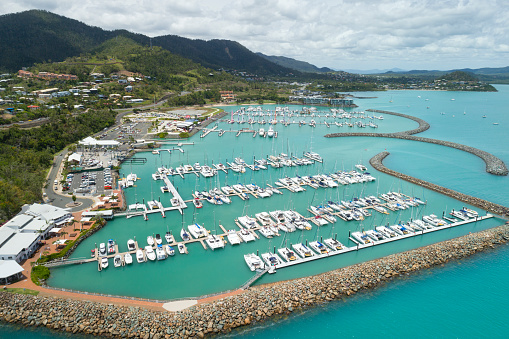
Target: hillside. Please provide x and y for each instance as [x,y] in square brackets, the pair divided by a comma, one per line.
[38,36]
[298,65]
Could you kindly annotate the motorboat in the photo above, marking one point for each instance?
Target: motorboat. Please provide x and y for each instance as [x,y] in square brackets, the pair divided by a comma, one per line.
[104,262]
[128,258]
[117,261]
[139,256]
[149,251]
[266,232]
[160,252]
[233,237]
[111,246]
[150,240]
[159,240]
[182,248]
[386,232]
[270,132]
[131,245]
[102,249]
[184,235]
[169,250]
[248,222]
[169,238]
[375,235]
[253,261]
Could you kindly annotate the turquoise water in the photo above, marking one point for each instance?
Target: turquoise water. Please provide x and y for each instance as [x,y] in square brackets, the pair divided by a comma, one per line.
[203,272]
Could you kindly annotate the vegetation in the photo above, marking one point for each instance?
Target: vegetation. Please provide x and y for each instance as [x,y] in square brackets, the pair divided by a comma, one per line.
[21,291]
[26,154]
[39,273]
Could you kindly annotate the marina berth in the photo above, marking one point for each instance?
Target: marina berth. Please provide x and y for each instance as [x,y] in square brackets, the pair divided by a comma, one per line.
[197,231]
[233,237]
[303,250]
[160,252]
[149,252]
[287,254]
[128,258]
[140,257]
[253,262]
[169,250]
[271,259]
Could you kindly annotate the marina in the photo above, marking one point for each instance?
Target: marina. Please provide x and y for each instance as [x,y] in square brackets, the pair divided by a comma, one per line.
[297,195]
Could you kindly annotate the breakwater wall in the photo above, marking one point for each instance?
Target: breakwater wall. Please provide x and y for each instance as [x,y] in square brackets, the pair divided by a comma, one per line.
[377,163]
[254,305]
[205,123]
[494,165]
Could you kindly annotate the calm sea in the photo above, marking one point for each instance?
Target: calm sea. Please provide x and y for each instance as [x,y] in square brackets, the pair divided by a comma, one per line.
[439,302]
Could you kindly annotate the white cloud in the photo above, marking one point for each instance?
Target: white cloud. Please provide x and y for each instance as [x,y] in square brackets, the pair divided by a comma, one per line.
[435,34]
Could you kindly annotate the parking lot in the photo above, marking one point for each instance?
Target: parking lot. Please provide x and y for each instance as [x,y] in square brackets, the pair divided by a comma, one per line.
[90,183]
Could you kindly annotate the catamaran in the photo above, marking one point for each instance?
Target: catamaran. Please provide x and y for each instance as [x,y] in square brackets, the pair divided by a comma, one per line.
[271,259]
[214,242]
[197,231]
[253,261]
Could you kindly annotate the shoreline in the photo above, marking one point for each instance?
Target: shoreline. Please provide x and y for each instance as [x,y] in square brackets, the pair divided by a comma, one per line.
[254,305]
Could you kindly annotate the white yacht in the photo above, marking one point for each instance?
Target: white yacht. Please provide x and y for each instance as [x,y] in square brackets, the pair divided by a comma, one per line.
[375,235]
[182,248]
[245,235]
[233,237]
[128,258]
[253,261]
[104,262]
[261,132]
[319,247]
[139,256]
[387,232]
[248,222]
[266,232]
[102,249]
[150,240]
[214,242]
[169,238]
[287,254]
[131,245]
[270,132]
[271,259]
[169,250]
[334,244]
[159,240]
[362,238]
[117,261]
[149,251]
[303,250]
[184,235]
[197,231]
[160,253]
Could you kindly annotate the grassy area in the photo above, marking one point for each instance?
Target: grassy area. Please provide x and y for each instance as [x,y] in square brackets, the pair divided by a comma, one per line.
[21,291]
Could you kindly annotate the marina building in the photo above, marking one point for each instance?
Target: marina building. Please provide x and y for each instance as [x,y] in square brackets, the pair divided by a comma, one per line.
[20,236]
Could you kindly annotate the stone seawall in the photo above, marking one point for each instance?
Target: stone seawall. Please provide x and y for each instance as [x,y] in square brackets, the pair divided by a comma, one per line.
[254,305]
[494,165]
[377,163]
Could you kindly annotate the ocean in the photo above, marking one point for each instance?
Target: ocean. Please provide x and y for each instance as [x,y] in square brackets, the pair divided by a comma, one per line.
[429,301]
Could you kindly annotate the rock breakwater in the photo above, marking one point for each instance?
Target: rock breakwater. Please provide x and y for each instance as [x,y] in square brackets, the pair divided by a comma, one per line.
[254,305]
[377,163]
[494,165]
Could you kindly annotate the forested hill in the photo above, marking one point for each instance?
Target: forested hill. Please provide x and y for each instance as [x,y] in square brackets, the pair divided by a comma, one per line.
[298,65]
[38,36]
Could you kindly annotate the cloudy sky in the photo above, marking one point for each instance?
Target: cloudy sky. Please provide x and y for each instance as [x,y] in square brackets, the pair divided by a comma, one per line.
[341,34]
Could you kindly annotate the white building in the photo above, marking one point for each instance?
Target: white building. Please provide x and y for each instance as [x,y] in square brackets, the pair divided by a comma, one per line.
[9,270]
[90,142]
[20,236]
